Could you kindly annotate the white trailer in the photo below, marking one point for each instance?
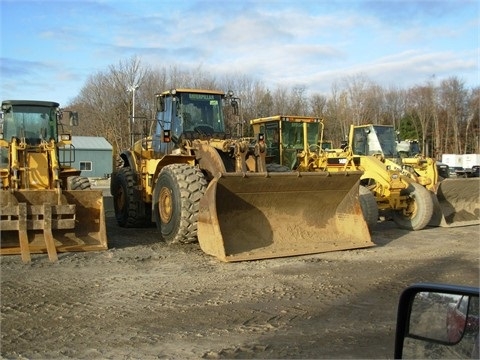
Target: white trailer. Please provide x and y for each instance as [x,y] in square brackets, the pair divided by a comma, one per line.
[452,160]
[470,160]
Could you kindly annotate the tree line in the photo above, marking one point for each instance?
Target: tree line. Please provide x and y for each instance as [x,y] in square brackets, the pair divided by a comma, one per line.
[443,117]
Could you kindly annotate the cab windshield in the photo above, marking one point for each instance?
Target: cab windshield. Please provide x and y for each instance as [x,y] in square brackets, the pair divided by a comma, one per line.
[201,113]
[34,123]
[375,140]
[385,141]
[293,137]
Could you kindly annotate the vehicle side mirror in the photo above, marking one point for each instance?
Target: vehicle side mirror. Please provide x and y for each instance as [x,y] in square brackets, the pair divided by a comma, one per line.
[2,120]
[73,118]
[437,321]
[160,104]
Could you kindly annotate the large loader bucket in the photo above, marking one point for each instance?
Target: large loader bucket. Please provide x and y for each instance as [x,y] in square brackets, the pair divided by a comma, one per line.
[46,221]
[457,203]
[260,215]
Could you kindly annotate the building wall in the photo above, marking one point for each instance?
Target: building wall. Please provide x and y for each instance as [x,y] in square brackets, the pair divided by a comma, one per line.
[93,163]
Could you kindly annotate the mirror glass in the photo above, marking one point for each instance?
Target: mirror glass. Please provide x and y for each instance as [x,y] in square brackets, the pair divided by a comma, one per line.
[443,326]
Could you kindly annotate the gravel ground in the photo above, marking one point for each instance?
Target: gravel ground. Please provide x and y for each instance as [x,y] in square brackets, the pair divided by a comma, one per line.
[143,299]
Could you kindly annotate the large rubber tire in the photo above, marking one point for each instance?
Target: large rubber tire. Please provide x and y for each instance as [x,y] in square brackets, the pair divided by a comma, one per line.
[419,211]
[78,183]
[176,199]
[130,210]
[369,206]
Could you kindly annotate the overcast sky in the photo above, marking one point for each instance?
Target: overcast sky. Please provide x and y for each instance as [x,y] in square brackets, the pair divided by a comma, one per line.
[50,48]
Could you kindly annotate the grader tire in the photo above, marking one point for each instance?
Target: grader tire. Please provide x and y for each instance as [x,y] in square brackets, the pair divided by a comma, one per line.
[369,206]
[78,183]
[419,211]
[130,211]
[176,199]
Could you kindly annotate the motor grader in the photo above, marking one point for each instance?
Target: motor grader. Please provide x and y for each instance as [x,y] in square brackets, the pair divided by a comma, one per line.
[46,206]
[195,182]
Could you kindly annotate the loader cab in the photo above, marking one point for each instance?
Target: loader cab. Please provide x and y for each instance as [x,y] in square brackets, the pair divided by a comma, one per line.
[187,114]
[286,136]
[297,136]
[408,148]
[34,121]
[374,140]
[271,132]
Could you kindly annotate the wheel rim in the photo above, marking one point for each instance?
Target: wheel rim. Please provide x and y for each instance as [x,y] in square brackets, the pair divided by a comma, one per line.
[411,209]
[165,205]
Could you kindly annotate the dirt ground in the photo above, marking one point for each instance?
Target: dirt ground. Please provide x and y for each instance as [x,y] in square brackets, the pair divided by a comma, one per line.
[142,299]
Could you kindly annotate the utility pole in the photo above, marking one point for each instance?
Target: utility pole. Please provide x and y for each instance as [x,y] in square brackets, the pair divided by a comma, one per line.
[132,89]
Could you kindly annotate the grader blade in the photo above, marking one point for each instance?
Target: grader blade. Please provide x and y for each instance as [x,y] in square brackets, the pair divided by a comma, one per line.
[268,215]
[457,203]
[46,221]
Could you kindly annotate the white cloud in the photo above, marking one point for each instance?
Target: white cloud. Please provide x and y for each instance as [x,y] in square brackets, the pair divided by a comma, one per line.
[277,42]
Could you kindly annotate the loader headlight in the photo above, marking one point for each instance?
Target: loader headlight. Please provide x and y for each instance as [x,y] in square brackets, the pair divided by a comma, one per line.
[65,137]
[394,176]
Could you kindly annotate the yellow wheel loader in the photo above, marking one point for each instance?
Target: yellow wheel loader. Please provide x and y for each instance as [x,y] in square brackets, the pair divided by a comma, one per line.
[384,187]
[45,205]
[196,183]
[456,200]
[293,143]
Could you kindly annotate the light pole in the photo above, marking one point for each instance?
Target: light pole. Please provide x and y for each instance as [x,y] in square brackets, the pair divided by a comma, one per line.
[236,102]
[132,89]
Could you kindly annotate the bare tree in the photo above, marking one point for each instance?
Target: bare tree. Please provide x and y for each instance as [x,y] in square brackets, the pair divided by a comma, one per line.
[444,118]
[298,103]
[337,115]
[106,104]
[420,104]
[394,106]
[472,130]
[453,97]
[318,104]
